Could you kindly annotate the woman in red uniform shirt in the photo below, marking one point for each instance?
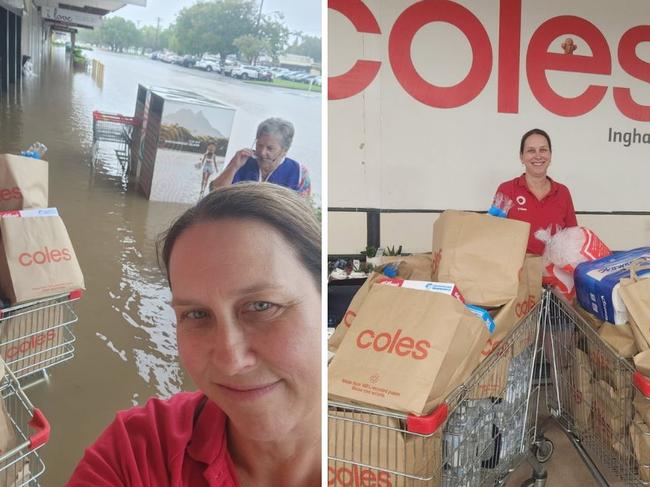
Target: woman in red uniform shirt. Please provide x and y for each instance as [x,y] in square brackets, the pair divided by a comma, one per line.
[244,269]
[534,197]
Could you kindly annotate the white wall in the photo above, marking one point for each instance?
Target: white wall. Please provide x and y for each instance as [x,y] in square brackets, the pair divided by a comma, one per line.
[396,144]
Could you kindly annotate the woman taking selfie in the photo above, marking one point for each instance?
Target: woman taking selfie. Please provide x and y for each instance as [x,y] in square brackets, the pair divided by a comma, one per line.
[244,269]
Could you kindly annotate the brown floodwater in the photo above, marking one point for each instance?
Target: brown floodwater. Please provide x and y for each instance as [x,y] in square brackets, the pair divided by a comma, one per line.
[126,344]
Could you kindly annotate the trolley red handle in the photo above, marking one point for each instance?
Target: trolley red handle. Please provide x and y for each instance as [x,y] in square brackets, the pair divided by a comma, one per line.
[42,427]
[76,294]
[642,383]
[115,117]
[426,425]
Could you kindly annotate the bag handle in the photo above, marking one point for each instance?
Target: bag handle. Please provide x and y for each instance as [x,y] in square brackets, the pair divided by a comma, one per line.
[636,265]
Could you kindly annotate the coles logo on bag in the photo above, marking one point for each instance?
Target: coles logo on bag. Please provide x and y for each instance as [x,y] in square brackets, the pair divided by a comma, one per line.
[355,476]
[7,194]
[524,306]
[402,346]
[45,256]
[30,344]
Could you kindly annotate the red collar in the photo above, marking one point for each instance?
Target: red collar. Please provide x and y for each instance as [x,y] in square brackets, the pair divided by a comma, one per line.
[521,182]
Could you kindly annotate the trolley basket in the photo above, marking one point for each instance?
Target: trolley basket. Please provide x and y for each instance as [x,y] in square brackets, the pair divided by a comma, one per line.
[28,430]
[37,335]
[598,399]
[477,437]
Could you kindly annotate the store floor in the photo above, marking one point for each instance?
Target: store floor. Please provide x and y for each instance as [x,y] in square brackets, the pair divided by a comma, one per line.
[565,468]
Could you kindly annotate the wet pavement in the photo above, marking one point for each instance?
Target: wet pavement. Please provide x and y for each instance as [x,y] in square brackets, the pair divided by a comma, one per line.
[126,346]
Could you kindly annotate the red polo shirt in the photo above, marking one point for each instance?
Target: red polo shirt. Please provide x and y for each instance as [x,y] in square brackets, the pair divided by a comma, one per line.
[554,211]
[178,442]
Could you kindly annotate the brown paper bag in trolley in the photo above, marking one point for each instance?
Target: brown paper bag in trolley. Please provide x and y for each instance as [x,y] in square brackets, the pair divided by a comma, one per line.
[408,267]
[379,441]
[406,350]
[506,317]
[33,337]
[581,394]
[23,182]
[635,293]
[37,258]
[640,436]
[8,436]
[481,254]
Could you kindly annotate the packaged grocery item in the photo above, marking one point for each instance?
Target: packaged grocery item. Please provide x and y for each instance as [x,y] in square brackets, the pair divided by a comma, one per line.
[598,283]
[564,251]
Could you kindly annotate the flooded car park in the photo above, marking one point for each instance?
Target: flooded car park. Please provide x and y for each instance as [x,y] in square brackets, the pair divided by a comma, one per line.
[126,344]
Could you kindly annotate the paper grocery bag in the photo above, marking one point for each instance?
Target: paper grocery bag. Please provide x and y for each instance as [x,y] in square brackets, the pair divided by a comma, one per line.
[589,318]
[408,267]
[33,337]
[611,413]
[406,350]
[636,296]
[529,292]
[37,258]
[7,433]
[640,436]
[481,254]
[620,338]
[582,394]
[381,443]
[23,182]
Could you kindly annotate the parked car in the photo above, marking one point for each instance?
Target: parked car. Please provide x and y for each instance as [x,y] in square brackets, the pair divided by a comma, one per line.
[264,73]
[245,72]
[209,63]
[155,55]
[188,60]
[227,69]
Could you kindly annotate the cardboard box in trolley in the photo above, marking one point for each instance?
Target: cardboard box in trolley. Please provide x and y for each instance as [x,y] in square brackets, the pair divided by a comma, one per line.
[37,258]
[406,350]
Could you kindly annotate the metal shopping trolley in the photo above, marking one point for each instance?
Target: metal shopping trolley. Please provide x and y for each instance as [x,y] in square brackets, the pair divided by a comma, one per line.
[25,430]
[115,128]
[477,437]
[594,398]
[37,335]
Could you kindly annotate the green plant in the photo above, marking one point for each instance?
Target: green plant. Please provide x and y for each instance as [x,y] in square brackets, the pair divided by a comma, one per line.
[370,251]
[392,251]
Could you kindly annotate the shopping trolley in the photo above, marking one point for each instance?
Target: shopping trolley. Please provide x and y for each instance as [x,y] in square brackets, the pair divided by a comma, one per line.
[594,397]
[477,437]
[112,127]
[27,430]
[37,335]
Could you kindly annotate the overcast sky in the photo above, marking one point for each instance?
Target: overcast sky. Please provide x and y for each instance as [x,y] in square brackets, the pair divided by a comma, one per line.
[303,15]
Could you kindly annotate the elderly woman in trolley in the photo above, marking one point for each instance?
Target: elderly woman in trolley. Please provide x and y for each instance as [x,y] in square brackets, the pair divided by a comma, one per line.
[268,162]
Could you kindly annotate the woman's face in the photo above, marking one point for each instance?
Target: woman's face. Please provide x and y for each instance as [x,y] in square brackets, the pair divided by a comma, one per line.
[248,326]
[269,152]
[537,155]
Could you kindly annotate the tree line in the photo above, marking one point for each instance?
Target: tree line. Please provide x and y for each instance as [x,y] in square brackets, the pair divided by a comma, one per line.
[218,26]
